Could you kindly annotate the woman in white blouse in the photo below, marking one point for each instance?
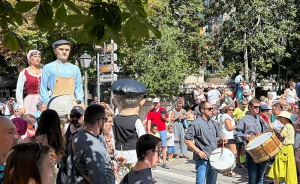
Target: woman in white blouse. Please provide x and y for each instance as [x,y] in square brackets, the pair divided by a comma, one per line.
[227,127]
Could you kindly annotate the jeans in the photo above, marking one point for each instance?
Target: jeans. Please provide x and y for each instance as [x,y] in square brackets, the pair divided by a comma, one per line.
[204,172]
[255,170]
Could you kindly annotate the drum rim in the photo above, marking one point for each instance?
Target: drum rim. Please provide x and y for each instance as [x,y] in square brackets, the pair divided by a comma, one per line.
[228,168]
[256,137]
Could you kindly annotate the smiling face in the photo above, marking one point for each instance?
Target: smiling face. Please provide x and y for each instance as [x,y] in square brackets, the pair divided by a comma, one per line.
[62,52]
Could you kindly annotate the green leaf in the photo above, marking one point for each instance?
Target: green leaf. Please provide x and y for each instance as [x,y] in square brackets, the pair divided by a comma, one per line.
[56,3]
[98,31]
[11,41]
[73,7]
[76,20]
[82,36]
[25,6]
[136,7]
[61,14]
[153,29]
[18,18]
[43,19]
[47,8]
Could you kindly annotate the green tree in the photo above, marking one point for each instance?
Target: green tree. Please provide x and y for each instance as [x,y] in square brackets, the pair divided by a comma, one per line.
[253,32]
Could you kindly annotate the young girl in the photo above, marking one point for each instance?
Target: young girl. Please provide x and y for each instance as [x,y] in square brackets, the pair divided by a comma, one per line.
[30,125]
[270,100]
[170,143]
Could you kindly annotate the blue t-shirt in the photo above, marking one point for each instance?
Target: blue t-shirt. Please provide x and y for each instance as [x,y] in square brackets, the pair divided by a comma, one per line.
[240,95]
[2,167]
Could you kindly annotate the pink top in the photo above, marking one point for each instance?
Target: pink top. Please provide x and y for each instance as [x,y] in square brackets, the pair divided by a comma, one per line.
[28,134]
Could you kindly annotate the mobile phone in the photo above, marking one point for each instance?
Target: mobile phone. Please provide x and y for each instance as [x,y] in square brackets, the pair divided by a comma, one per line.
[163,112]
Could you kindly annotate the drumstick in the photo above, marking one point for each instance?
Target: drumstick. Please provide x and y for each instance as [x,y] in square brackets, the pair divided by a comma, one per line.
[213,154]
[222,146]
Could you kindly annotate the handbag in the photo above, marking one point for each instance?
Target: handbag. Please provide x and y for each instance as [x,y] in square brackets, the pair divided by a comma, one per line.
[184,122]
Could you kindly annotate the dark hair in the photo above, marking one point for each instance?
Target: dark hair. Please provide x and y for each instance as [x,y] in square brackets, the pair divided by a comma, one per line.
[49,125]
[93,113]
[278,106]
[30,117]
[202,105]
[145,143]
[153,126]
[23,165]
[253,101]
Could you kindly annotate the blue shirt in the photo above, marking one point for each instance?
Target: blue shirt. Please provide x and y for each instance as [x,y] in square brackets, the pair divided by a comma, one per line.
[64,70]
[240,95]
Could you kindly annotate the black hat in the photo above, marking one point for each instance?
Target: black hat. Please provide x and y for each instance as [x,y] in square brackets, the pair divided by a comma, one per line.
[128,88]
[77,110]
[61,42]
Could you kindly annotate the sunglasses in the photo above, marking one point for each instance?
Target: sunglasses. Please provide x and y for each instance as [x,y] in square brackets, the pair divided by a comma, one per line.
[210,109]
[77,116]
[255,107]
[230,109]
[244,104]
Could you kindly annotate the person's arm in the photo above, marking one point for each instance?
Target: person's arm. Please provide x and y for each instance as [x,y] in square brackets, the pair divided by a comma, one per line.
[296,97]
[229,125]
[44,83]
[149,124]
[284,94]
[187,115]
[139,128]
[98,164]
[188,139]
[78,85]
[173,118]
[19,91]
[239,130]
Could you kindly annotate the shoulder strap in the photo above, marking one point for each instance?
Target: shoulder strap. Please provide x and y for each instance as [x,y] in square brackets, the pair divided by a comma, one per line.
[73,151]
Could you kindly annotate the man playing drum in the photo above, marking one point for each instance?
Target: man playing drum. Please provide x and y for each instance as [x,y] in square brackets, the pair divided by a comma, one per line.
[204,132]
[63,79]
[249,126]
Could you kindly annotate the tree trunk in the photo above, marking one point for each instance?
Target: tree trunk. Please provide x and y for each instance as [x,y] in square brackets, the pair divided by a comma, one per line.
[246,59]
[252,81]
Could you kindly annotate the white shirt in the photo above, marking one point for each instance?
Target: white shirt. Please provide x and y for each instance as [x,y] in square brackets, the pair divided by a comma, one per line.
[228,134]
[170,142]
[213,96]
[238,79]
[277,125]
[290,97]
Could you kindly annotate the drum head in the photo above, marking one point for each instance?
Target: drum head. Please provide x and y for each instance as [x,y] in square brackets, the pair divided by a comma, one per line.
[257,141]
[226,161]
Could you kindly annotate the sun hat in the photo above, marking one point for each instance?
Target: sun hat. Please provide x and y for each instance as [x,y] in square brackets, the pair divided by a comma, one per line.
[286,115]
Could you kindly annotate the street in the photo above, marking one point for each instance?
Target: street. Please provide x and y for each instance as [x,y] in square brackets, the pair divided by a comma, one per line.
[182,171]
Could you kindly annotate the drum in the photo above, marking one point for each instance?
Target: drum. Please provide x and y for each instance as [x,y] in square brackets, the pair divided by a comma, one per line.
[222,163]
[264,146]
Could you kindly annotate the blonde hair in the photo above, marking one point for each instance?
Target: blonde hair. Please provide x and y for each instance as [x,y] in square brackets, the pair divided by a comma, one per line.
[270,96]
[226,108]
[262,98]
[170,126]
[107,135]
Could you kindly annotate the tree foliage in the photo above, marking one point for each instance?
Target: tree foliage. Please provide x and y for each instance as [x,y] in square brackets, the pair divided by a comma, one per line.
[98,20]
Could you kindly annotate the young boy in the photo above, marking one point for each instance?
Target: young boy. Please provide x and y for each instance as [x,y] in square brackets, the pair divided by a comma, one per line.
[147,150]
[154,130]
[170,143]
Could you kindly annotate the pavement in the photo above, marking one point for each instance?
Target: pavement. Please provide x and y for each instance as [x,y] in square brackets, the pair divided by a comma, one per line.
[182,171]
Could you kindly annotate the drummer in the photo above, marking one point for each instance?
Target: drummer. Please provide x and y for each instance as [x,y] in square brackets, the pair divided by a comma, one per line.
[250,125]
[202,137]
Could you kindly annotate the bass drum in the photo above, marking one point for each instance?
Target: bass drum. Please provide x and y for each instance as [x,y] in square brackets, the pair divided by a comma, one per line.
[222,163]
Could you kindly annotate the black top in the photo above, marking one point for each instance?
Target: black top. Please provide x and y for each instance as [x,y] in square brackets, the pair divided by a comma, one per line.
[125,132]
[143,176]
[128,88]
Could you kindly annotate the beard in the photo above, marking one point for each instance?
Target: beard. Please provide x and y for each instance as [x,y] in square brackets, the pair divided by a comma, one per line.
[75,123]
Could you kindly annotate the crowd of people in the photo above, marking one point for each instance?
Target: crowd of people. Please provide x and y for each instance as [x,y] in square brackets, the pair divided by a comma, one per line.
[59,140]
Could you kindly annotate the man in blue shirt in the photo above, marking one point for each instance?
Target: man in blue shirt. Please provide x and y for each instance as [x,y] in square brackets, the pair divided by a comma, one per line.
[62,77]
[238,79]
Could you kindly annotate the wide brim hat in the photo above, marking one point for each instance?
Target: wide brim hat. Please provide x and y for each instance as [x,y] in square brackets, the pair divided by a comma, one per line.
[286,115]
[212,86]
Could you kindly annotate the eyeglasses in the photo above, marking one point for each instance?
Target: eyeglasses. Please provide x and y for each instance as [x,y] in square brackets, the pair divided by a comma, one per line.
[255,107]
[230,110]
[38,154]
[210,109]
[77,116]
[16,111]
[153,150]
[244,104]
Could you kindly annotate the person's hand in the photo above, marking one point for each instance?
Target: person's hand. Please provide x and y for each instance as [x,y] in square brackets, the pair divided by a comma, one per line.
[21,110]
[248,137]
[202,155]
[120,159]
[103,104]
[225,141]
[154,180]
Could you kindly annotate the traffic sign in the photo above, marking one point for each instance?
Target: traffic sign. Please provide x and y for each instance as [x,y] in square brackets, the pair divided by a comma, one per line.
[109,68]
[109,57]
[108,47]
[108,78]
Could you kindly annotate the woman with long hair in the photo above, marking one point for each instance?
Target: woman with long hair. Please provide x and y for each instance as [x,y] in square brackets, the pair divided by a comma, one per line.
[227,126]
[28,163]
[284,166]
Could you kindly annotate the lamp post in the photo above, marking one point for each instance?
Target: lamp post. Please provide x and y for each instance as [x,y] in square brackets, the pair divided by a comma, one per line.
[85,61]
[278,59]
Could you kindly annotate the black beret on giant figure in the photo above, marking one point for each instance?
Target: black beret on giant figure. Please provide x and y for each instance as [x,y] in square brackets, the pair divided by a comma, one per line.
[128,88]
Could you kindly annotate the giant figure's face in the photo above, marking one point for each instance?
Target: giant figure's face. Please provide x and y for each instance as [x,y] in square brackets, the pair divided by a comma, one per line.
[62,52]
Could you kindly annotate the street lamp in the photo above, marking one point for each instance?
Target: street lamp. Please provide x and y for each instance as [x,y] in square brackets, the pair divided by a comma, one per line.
[278,59]
[85,61]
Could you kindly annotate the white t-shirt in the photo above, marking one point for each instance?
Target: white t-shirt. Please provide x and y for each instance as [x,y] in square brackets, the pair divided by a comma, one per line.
[248,90]
[213,96]
[170,142]
[228,134]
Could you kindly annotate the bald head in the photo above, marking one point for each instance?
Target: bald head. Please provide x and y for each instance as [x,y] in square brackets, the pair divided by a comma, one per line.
[8,137]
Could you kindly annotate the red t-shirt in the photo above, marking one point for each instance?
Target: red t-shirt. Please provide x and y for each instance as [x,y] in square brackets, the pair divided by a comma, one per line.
[155,117]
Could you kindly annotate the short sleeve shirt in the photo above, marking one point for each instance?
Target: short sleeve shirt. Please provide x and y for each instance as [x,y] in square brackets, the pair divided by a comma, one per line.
[155,117]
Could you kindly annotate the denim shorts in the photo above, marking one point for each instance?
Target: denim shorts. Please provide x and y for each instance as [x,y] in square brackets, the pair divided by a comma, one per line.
[163,137]
[171,149]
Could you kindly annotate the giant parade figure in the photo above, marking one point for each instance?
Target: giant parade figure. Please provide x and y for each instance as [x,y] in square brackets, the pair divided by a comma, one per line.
[63,80]
[129,96]
[30,78]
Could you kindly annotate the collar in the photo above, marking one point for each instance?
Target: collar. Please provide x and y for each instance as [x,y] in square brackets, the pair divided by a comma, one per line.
[58,62]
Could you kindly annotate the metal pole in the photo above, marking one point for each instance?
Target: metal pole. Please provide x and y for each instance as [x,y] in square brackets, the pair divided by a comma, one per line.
[279,87]
[85,88]
[98,78]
